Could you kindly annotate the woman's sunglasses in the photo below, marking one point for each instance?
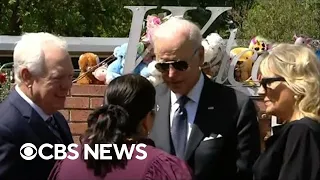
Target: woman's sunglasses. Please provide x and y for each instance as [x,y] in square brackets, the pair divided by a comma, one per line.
[178,65]
[265,81]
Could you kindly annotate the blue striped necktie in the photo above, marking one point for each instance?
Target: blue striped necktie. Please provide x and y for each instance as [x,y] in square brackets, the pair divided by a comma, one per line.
[179,130]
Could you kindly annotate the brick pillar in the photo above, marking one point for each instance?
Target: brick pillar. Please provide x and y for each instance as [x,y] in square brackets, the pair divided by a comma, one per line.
[81,101]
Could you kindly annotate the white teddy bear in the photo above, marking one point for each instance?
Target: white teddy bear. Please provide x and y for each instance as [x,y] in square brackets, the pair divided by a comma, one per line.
[155,76]
[214,48]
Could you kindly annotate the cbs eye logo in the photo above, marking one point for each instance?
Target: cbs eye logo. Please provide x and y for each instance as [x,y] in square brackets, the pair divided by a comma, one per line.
[28,151]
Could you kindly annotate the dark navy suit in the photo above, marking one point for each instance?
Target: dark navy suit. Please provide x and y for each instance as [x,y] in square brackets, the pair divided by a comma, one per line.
[224,140]
[20,124]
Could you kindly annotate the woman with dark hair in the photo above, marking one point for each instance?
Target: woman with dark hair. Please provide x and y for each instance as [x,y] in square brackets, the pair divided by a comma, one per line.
[125,118]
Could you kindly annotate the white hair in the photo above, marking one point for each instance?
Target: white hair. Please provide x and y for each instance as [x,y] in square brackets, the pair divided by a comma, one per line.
[28,52]
[179,25]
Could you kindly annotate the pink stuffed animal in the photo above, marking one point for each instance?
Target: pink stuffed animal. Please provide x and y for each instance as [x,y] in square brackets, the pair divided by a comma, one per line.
[302,40]
[101,73]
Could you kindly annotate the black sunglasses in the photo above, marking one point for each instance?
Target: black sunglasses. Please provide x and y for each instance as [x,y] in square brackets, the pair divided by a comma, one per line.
[178,65]
[265,81]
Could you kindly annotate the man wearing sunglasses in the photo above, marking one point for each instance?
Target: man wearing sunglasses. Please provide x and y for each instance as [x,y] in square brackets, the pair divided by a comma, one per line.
[212,127]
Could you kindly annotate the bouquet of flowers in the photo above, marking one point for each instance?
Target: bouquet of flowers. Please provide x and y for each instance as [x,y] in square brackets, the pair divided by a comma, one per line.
[151,23]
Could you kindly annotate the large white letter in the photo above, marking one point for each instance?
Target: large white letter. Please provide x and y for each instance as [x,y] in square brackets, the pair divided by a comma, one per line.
[124,148]
[94,153]
[215,12]
[178,10]
[142,151]
[104,151]
[225,64]
[71,148]
[41,153]
[138,13]
[60,148]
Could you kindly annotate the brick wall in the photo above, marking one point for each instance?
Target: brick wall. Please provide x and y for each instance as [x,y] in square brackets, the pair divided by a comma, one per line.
[83,99]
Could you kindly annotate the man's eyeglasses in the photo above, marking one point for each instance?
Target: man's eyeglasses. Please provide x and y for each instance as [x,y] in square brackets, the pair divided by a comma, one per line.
[267,81]
[179,65]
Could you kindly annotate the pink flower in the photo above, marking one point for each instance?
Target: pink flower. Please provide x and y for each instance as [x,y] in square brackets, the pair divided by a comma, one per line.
[156,21]
[152,23]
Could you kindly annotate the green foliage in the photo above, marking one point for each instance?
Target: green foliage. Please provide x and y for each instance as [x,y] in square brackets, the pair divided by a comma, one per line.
[279,20]
[92,18]
[101,18]
[5,87]
[274,19]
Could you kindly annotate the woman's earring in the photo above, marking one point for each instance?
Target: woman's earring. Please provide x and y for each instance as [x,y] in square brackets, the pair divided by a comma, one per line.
[296,97]
[146,132]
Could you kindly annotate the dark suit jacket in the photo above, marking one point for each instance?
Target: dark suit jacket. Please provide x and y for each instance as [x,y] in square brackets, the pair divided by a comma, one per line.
[20,124]
[292,152]
[233,116]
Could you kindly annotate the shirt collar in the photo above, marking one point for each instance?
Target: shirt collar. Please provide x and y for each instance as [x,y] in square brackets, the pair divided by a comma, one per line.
[194,94]
[32,104]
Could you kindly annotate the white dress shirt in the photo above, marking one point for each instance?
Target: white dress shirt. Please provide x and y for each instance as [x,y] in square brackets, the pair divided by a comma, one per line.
[32,104]
[192,104]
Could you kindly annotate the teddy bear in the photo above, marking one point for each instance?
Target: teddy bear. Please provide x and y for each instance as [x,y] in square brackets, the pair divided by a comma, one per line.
[214,47]
[309,42]
[101,73]
[116,68]
[302,40]
[245,62]
[260,44]
[156,77]
[87,64]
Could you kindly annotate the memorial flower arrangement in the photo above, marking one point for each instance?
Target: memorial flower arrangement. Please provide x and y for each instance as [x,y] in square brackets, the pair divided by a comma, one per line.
[5,83]
[152,22]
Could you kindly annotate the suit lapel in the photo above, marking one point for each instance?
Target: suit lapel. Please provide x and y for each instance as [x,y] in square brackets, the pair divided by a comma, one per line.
[37,124]
[162,120]
[40,128]
[64,131]
[201,126]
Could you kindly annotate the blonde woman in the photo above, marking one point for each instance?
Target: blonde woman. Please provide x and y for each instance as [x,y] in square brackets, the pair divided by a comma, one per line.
[290,85]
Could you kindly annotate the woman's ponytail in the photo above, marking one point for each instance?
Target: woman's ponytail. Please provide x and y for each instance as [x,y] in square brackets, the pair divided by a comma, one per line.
[104,127]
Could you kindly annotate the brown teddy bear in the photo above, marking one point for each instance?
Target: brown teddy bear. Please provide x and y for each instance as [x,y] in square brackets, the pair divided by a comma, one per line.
[88,62]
